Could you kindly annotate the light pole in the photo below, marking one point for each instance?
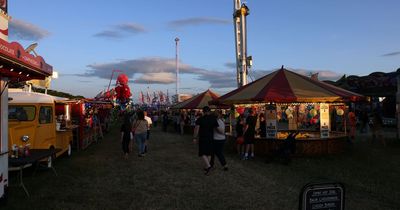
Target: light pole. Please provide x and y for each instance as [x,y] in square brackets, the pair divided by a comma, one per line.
[177,67]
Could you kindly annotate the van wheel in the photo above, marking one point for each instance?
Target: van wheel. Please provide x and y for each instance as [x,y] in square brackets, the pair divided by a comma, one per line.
[69,151]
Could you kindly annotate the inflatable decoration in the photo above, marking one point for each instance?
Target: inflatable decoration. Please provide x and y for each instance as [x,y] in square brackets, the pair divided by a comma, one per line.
[123,93]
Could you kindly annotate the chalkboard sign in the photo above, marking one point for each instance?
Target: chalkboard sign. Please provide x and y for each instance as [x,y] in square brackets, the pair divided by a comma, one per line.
[328,196]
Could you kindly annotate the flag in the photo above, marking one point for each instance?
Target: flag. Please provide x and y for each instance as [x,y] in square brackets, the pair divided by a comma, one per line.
[154,98]
[161,96]
[148,98]
[141,97]
[167,99]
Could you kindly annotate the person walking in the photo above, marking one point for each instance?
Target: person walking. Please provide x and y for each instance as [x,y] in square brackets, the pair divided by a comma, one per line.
[204,131]
[182,119]
[126,134]
[219,142]
[377,126]
[140,132]
[165,121]
[149,124]
[353,123]
[249,133]
[239,136]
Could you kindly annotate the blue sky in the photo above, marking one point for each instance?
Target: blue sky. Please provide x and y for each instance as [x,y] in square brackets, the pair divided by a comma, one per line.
[85,40]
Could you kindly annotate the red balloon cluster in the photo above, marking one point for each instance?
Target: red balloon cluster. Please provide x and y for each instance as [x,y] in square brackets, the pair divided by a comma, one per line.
[122,89]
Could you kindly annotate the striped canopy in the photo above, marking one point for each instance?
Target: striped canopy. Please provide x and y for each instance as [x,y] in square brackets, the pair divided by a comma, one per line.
[198,101]
[284,86]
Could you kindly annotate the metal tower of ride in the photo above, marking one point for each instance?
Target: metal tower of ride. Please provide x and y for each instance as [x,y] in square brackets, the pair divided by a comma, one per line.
[243,62]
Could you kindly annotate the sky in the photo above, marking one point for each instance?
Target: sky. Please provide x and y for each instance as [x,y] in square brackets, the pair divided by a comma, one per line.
[85,41]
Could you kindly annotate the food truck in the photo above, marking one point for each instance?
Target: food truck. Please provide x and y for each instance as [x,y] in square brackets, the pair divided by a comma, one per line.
[17,64]
[33,122]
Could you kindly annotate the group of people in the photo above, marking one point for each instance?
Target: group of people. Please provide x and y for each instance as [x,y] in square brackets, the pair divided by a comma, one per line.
[246,128]
[135,126]
[209,133]
[367,122]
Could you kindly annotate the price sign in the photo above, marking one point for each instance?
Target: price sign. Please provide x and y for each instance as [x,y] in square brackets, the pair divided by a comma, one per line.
[322,196]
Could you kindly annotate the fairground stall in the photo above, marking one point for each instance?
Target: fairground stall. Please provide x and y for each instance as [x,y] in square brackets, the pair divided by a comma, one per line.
[190,109]
[16,65]
[91,118]
[292,102]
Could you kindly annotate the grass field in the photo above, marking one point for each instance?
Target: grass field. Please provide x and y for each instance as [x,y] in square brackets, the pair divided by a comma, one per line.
[171,177]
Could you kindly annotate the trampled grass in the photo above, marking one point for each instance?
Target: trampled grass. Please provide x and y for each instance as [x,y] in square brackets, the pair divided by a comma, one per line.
[171,177]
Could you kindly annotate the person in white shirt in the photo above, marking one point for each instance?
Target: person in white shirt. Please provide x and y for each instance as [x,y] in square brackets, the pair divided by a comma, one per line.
[149,123]
[219,142]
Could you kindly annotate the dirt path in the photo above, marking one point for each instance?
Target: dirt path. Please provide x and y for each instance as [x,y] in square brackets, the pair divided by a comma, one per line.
[170,177]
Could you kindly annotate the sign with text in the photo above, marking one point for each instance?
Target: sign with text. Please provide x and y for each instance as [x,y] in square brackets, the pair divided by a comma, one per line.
[328,196]
[270,119]
[324,120]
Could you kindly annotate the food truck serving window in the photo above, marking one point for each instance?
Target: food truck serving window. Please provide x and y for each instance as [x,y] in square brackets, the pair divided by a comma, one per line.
[21,113]
[46,115]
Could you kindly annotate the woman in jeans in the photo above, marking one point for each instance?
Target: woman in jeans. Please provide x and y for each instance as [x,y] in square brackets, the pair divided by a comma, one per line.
[140,129]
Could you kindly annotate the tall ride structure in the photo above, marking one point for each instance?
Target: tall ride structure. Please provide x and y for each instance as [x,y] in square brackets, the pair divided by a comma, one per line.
[243,62]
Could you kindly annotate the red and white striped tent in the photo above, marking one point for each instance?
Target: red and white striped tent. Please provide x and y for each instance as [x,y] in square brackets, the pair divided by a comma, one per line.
[199,101]
[284,86]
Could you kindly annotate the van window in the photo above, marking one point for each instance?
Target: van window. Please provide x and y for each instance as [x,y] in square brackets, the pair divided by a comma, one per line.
[21,113]
[45,115]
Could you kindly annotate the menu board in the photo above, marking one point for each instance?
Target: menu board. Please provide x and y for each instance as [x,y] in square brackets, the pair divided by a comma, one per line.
[324,120]
[322,196]
[270,114]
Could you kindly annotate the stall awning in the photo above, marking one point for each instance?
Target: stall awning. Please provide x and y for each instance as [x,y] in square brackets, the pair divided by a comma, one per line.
[284,86]
[18,65]
[199,101]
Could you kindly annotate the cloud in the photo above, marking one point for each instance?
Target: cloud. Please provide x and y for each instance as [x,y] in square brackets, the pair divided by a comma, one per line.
[219,79]
[156,78]
[22,30]
[322,74]
[109,34]
[157,70]
[230,65]
[132,28]
[141,66]
[197,21]
[392,54]
[121,31]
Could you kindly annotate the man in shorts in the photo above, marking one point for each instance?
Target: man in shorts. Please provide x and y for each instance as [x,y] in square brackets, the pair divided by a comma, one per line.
[249,133]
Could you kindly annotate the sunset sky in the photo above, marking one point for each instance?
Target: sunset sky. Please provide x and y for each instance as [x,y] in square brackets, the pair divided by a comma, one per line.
[85,40]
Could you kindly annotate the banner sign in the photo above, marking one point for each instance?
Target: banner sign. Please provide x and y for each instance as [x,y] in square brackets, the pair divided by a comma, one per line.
[16,53]
[270,119]
[324,120]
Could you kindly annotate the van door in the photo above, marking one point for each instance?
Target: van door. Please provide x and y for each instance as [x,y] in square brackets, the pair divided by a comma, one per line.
[46,133]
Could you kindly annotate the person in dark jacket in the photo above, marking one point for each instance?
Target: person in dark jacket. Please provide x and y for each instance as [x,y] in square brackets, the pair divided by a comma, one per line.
[126,134]
[204,131]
